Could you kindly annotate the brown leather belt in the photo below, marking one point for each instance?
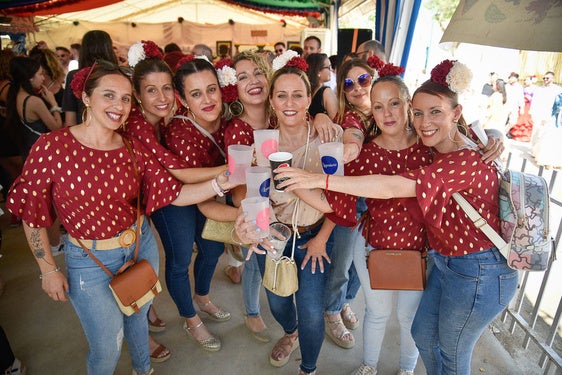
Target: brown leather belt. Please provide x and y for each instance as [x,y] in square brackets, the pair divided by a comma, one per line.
[124,239]
[306,228]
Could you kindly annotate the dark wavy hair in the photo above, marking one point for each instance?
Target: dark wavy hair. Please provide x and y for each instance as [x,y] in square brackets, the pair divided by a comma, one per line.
[315,63]
[96,44]
[22,69]
[187,69]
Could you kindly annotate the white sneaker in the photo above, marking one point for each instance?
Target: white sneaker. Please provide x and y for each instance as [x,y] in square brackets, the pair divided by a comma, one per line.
[404,372]
[365,370]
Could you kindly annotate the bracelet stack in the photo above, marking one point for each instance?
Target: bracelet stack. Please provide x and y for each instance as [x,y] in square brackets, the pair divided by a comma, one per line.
[42,276]
[216,187]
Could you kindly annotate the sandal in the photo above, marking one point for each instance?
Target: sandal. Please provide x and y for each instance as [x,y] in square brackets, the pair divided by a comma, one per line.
[156,325]
[281,352]
[349,318]
[211,343]
[233,274]
[338,332]
[218,316]
[160,354]
[261,336]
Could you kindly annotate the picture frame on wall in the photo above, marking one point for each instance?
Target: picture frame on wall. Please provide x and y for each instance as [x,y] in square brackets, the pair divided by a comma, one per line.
[293,44]
[224,48]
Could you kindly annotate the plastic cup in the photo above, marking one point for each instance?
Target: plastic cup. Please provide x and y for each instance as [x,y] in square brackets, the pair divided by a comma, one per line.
[279,160]
[258,180]
[331,155]
[257,210]
[239,159]
[279,235]
[266,142]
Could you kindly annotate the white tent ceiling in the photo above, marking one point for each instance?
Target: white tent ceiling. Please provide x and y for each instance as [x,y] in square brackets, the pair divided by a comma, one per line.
[157,11]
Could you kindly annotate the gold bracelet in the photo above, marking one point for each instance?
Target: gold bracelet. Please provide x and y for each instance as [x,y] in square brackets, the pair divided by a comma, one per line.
[42,276]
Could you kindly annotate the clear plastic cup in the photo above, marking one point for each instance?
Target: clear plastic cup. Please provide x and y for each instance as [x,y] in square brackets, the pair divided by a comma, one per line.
[239,159]
[279,235]
[331,155]
[258,181]
[257,211]
[279,160]
[266,142]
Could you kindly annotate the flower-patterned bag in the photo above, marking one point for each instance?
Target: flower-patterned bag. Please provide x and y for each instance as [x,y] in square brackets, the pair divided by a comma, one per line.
[524,213]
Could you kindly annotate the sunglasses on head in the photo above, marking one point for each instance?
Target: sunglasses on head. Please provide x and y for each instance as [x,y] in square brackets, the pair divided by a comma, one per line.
[364,80]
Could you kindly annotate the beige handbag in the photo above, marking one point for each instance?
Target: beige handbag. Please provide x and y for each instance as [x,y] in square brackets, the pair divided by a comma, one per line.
[280,276]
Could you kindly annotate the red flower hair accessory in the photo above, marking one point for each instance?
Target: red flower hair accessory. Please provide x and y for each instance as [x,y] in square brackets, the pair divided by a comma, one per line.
[390,69]
[227,80]
[375,62]
[144,49]
[452,74]
[185,60]
[298,62]
[79,80]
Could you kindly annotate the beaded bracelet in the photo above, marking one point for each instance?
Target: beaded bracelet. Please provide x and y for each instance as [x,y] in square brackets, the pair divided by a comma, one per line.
[42,276]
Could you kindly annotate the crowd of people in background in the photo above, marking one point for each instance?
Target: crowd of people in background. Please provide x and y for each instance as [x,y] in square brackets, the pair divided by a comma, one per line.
[158,122]
[526,112]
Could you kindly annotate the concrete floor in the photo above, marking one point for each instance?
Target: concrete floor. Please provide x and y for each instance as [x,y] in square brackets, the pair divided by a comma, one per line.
[47,336]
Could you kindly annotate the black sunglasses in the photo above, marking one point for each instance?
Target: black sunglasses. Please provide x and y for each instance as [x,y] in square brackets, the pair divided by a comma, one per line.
[363,80]
[278,50]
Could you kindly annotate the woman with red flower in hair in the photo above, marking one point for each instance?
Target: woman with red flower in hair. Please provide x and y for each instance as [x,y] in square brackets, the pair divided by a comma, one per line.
[195,135]
[93,178]
[289,98]
[244,83]
[470,282]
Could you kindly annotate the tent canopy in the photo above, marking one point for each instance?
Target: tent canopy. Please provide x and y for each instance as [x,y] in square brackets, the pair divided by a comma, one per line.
[24,8]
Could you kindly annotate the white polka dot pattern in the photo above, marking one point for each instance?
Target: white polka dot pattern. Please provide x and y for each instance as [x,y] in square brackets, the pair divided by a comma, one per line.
[93,191]
[137,127]
[184,140]
[393,223]
[449,230]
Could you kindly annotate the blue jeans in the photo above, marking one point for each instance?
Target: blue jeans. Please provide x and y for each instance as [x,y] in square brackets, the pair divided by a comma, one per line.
[103,323]
[251,284]
[378,307]
[178,228]
[463,295]
[309,302]
[343,283]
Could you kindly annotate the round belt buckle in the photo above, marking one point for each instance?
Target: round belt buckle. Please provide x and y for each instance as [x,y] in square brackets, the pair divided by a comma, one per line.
[127,238]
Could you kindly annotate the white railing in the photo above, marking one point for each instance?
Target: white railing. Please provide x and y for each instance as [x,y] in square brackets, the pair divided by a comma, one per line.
[534,316]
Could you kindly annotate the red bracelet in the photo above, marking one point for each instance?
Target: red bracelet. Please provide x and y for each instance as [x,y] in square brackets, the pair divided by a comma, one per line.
[327,178]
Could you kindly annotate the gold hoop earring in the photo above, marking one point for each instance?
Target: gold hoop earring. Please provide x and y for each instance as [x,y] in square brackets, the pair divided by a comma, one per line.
[141,108]
[86,113]
[190,112]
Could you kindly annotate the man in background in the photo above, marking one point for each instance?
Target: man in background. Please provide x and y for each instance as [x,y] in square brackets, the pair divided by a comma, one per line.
[311,44]
[279,48]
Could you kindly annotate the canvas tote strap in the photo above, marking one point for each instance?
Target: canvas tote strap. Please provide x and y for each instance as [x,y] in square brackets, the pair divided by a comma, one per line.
[482,224]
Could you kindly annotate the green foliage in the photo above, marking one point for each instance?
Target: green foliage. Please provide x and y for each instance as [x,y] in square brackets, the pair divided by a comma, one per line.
[442,10]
